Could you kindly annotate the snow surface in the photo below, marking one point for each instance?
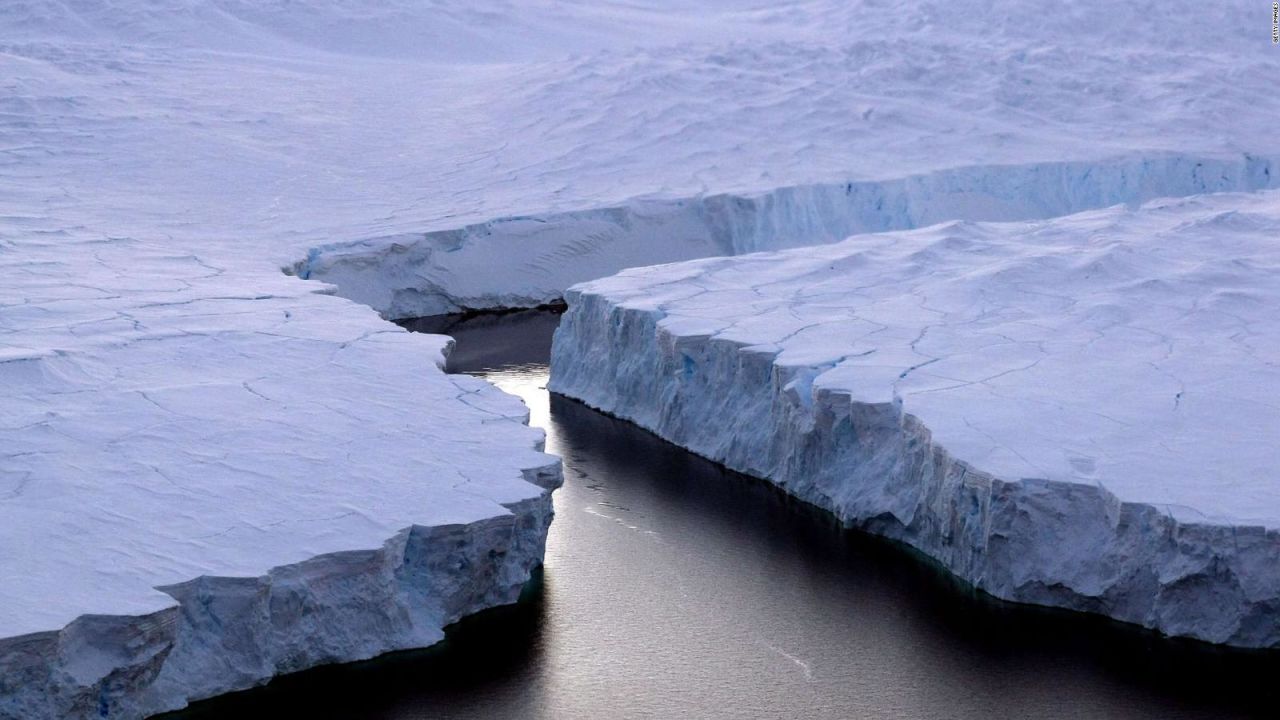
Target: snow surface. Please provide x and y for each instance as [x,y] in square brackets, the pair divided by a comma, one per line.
[452,270]
[163,421]
[1013,399]
[162,160]
[337,135]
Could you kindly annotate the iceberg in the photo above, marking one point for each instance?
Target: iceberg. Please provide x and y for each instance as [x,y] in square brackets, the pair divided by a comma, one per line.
[205,484]
[1077,412]
[214,473]
[447,271]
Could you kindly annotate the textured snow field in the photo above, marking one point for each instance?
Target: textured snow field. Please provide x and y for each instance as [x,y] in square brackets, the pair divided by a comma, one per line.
[969,386]
[299,475]
[186,410]
[364,130]
[172,422]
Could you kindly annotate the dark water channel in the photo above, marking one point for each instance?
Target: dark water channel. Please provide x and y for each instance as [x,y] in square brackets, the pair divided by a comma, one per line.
[675,589]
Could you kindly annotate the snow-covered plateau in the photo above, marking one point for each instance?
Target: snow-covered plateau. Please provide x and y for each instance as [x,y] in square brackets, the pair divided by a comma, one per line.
[217,465]
[1078,412]
[430,156]
[208,481]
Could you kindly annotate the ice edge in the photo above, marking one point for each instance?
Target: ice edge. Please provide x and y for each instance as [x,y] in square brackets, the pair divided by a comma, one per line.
[877,468]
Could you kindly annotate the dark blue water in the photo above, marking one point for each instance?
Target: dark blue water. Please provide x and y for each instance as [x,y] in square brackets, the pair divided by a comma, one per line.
[675,589]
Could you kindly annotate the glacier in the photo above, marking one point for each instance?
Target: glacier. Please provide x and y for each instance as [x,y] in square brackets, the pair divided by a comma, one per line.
[434,157]
[448,271]
[206,484]
[1077,412]
[202,427]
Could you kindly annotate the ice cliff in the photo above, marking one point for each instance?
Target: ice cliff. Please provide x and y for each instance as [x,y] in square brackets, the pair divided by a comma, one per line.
[206,482]
[418,274]
[212,474]
[1078,412]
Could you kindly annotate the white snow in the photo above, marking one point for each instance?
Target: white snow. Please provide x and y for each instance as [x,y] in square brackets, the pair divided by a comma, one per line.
[165,421]
[411,275]
[288,127]
[1080,411]
[188,410]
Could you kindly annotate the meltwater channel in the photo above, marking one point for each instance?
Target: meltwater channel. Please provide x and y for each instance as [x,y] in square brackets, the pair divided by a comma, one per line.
[676,589]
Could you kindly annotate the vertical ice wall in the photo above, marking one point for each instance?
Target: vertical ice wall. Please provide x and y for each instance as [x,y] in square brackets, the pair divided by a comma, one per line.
[529,261]
[206,484]
[1076,413]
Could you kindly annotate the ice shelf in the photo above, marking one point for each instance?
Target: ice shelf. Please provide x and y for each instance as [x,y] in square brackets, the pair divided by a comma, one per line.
[428,157]
[1079,412]
[211,473]
[208,480]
